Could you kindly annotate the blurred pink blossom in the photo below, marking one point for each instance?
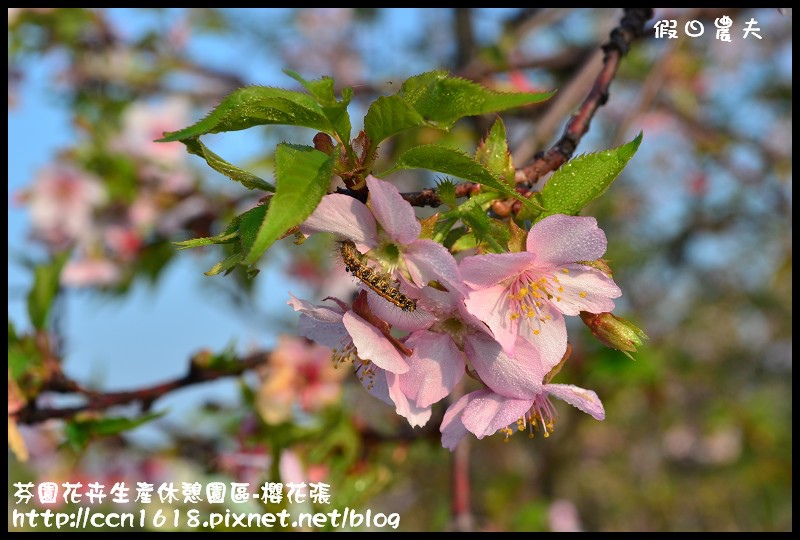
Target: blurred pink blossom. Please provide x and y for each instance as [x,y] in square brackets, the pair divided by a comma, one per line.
[143,123]
[62,202]
[299,374]
[90,272]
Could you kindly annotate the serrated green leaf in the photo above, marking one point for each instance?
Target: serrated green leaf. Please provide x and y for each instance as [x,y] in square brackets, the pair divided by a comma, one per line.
[454,163]
[241,231]
[442,99]
[390,115]
[249,223]
[584,178]
[482,227]
[303,175]
[493,153]
[446,189]
[44,290]
[256,106]
[335,111]
[223,238]
[226,265]
[247,179]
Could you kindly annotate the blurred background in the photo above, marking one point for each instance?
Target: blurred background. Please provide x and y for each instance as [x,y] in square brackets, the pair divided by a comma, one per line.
[697,433]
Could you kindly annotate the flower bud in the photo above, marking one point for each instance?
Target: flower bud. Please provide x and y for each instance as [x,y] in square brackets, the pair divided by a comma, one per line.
[614,332]
[323,143]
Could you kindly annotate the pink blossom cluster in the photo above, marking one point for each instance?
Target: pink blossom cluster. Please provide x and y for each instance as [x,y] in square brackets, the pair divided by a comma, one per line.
[498,317]
[73,208]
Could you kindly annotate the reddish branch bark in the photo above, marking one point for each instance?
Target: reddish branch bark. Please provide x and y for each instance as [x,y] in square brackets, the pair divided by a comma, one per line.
[100,401]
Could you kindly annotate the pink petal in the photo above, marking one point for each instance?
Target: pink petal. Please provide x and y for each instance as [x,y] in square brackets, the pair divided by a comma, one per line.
[551,339]
[319,323]
[372,345]
[518,377]
[487,412]
[585,400]
[452,428]
[416,416]
[482,271]
[436,367]
[375,383]
[429,261]
[408,321]
[393,212]
[304,306]
[346,217]
[492,307]
[586,289]
[561,239]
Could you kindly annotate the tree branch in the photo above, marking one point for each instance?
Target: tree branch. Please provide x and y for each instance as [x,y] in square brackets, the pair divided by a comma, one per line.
[631,27]
[100,401]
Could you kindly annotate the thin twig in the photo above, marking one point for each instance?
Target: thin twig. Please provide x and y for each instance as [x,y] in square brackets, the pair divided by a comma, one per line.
[631,27]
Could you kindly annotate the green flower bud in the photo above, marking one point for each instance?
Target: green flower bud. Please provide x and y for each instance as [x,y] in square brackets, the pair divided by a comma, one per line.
[614,332]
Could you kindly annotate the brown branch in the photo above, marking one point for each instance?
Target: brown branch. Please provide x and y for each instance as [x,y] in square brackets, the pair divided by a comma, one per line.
[100,401]
[631,27]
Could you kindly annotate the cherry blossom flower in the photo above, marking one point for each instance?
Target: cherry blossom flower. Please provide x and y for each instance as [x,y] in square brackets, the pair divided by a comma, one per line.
[388,229]
[516,394]
[431,362]
[527,293]
[143,123]
[62,201]
[351,337]
[298,373]
[90,272]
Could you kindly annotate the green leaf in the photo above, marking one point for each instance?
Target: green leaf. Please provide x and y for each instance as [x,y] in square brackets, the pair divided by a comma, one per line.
[256,106]
[390,115]
[222,238]
[485,230]
[480,225]
[454,163]
[303,175]
[226,265]
[442,99]
[248,180]
[44,290]
[80,431]
[493,153]
[335,111]
[446,189]
[249,223]
[467,241]
[584,178]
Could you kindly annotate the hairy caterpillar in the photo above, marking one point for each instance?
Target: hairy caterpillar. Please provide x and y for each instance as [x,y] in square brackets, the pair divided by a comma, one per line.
[382,284]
